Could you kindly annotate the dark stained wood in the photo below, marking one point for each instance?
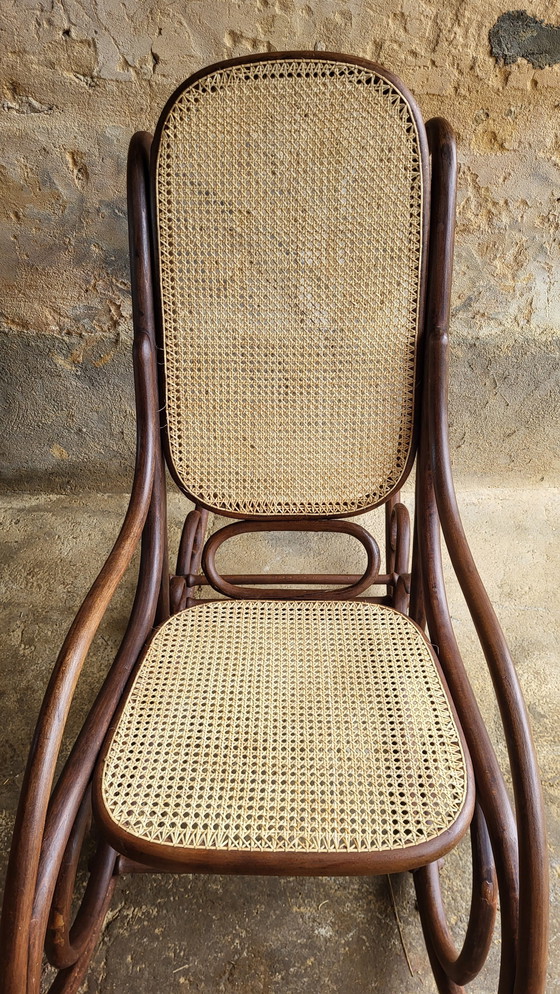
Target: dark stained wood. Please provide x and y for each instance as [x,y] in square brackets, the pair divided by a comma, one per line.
[416,604]
[66,940]
[49,829]
[492,793]
[24,858]
[190,551]
[70,980]
[389,544]
[19,928]
[177,594]
[346,527]
[462,967]
[186,545]
[382,579]
[73,781]
[159,503]
[533,864]
[167,858]
[491,789]
[443,983]
[400,538]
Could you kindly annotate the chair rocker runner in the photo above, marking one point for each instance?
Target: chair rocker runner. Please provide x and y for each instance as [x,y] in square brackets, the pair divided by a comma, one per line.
[291,233]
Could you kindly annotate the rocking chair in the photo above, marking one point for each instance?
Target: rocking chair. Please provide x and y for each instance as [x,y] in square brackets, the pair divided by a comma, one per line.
[291,236]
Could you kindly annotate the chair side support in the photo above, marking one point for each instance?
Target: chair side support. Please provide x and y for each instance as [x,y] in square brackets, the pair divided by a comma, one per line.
[522,874]
[20,971]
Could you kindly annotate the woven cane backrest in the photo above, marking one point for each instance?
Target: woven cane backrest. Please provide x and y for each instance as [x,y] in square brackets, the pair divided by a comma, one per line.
[289,204]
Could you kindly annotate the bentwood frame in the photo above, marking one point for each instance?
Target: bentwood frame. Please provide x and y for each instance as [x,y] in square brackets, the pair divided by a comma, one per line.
[509,852]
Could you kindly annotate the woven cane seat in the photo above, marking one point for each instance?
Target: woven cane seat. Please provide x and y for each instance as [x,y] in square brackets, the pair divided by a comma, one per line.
[285,726]
[290,198]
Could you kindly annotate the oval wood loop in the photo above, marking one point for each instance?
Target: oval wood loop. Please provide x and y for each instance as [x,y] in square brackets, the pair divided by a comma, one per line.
[337,525]
[525,902]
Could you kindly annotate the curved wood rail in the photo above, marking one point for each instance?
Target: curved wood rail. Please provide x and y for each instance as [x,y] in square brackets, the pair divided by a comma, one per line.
[400,538]
[491,790]
[524,915]
[397,540]
[67,940]
[220,584]
[19,928]
[532,873]
[78,768]
[416,602]
[70,980]
[189,555]
[30,820]
[462,967]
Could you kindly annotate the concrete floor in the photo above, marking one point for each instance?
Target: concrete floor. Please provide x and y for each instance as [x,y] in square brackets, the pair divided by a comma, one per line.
[266,935]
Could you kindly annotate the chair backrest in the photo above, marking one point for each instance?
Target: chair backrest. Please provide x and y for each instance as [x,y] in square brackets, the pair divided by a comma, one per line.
[290,209]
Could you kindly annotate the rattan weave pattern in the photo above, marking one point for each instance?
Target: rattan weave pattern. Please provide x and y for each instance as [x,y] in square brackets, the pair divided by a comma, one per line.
[289,204]
[286,726]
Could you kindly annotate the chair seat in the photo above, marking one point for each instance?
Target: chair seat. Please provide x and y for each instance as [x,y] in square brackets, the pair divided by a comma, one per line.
[286,727]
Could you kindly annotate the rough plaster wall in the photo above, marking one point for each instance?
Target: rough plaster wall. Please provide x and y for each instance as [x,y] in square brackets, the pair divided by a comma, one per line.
[77,78]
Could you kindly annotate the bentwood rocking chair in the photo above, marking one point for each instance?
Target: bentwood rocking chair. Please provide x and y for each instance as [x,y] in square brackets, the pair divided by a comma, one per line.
[291,233]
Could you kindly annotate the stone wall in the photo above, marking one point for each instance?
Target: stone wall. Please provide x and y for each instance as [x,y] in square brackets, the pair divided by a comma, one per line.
[77,78]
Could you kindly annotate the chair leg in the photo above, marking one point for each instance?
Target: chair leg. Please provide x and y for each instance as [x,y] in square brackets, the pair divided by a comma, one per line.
[69,981]
[461,967]
[443,983]
[65,943]
[69,946]
[451,968]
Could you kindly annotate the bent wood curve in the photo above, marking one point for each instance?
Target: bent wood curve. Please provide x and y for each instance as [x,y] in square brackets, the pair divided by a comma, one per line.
[530,865]
[220,584]
[463,966]
[18,925]
[66,940]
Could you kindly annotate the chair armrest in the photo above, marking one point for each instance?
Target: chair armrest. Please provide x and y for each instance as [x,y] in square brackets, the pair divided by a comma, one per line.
[531,831]
[32,811]
[43,823]
[439,506]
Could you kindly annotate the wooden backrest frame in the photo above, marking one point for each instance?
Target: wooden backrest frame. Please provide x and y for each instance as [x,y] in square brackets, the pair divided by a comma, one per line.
[425,169]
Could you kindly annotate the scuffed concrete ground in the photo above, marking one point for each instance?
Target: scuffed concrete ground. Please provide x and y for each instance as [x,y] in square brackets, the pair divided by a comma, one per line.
[265,935]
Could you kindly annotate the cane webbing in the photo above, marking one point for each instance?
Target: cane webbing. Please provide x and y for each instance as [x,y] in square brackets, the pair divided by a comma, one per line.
[289,211]
[317,726]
